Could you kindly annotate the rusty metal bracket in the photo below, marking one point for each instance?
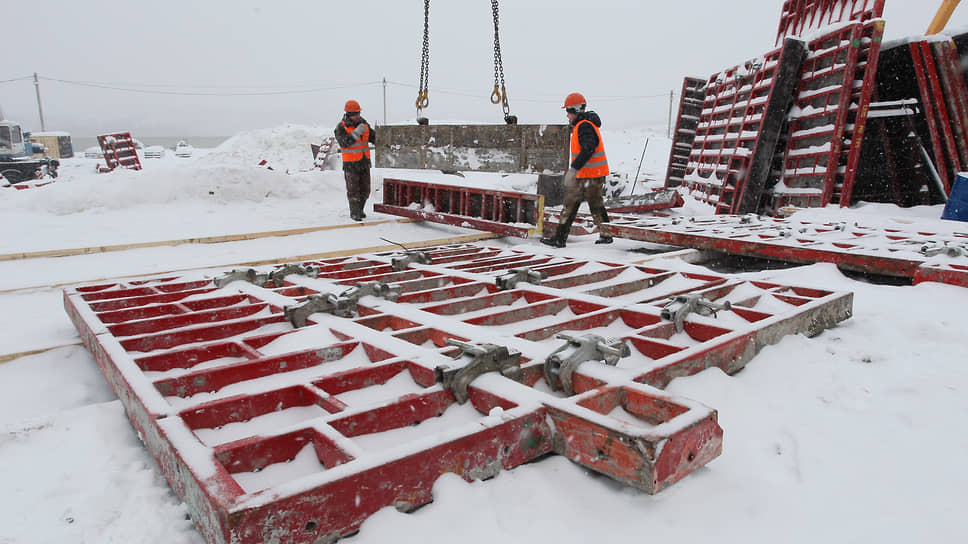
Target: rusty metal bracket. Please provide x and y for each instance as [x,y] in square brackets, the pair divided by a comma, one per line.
[484,358]
[341,305]
[328,303]
[278,276]
[250,275]
[516,275]
[561,364]
[403,261]
[682,305]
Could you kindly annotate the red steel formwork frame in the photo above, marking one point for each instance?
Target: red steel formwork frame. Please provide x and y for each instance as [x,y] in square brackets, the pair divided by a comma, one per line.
[800,16]
[508,213]
[690,108]
[944,113]
[864,86]
[740,124]
[119,150]
[827,130]
[920,256]
[956,92]
[818,119]
[272,433]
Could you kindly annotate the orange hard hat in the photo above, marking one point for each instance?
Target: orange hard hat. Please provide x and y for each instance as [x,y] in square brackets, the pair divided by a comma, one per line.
[574,99]
[352,105]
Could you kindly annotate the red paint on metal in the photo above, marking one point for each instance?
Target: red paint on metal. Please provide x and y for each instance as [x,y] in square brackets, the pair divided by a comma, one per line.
[194,364]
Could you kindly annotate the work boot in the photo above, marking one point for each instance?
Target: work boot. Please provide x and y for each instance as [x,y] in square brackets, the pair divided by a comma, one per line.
[604,240]
[553,241]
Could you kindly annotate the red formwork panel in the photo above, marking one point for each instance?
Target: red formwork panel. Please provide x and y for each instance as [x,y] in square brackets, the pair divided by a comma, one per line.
[865,83]
[509,213]
[741,122]
[951,73]
[801,16]
[119,150]
[921,256]
[690,107]
[829,117]
[271,433]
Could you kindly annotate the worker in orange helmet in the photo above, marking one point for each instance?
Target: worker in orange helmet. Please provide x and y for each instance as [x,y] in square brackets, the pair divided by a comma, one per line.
[354,136]
[585,179]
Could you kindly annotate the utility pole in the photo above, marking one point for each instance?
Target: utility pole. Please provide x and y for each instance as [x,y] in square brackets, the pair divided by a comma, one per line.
[40,109]
[669,127]
[384,101]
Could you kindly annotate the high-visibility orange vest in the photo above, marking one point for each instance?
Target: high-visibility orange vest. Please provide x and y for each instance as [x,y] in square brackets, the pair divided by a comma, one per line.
[358,150]
[597,165]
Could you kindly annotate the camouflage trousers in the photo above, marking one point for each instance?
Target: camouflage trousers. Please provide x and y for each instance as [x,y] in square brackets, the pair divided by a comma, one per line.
[589,190]
[357,189]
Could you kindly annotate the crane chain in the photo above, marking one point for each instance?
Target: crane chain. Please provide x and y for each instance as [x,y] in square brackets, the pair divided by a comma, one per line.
[423,98]
[500,94]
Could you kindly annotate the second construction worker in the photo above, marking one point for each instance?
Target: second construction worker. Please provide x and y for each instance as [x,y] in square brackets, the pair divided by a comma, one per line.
[354,136]
[585,179]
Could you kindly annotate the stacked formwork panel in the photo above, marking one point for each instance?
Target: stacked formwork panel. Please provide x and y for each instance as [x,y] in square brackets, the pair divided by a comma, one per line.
[801,16]
[690,108]
[817,151]
[742,117]
[932,144]
[827,124]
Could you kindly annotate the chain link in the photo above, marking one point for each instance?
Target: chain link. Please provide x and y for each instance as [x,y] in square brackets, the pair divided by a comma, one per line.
[423,92]
[500,93]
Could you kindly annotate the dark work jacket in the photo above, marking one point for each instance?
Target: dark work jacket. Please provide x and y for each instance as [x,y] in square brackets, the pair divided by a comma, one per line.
[345,140]
[587,138]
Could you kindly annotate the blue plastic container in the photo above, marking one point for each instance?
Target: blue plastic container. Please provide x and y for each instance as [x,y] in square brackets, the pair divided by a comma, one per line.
[957,207]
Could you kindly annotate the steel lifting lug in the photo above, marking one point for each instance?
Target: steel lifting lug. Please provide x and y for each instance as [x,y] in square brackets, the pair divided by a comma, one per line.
[325,303]
[561,364]
[278,276]
[516,275]
[680,306]
[403,261]
[484,358]
[943,249]
[250,275]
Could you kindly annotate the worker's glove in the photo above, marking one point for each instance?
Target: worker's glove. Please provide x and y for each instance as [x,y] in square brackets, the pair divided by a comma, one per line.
[570,177]
[358,132]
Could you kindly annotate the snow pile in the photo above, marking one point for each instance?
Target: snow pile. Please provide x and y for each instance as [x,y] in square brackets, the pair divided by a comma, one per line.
[284,148]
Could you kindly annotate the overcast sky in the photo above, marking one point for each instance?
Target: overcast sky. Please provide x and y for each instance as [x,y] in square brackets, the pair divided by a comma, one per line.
[167,67]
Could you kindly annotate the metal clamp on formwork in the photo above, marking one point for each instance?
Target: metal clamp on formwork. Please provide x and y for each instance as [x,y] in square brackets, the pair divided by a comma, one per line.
[328,303]
[561,364]
[250,275]
[484,358]
[372,288]
[278,276]
[943,249]
[403,261]
[341,305]
[516,275]
[682,305]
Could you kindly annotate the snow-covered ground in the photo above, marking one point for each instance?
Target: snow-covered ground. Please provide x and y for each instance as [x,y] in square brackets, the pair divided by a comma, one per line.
[853,436]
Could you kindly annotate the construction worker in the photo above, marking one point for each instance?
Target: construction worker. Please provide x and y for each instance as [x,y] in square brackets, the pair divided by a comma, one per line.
[354,136]
[585,179]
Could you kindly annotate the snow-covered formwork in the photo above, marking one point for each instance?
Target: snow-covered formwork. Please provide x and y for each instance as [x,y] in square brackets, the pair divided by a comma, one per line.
[278,424]
[823,151]
[916,255]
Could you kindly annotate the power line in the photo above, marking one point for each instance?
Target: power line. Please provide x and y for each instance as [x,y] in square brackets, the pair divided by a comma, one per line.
[16,79]
[134,89]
